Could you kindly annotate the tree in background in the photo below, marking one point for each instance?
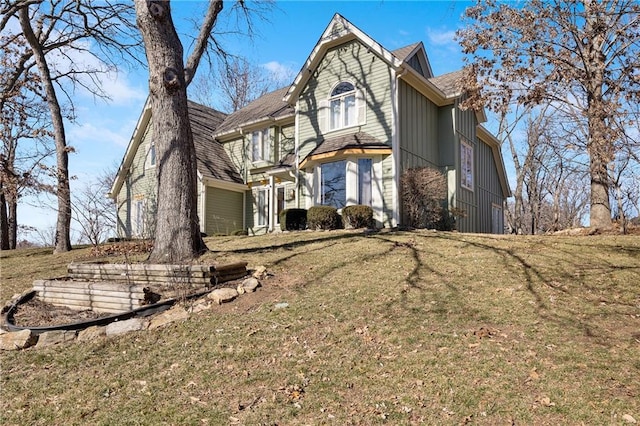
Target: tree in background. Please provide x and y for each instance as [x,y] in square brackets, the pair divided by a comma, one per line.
[424,190]
[57,33]
[581,57]
[94,212]
[177,236]
[25,134]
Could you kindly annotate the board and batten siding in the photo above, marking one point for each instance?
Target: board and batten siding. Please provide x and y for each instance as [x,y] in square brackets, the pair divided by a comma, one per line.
[465,129]
[489,191]
[223,211]
[418,118]
[139,184]
[352,62]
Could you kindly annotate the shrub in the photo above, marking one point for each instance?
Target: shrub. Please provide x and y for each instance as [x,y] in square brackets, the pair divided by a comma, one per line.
[293,219]
[239,232]
[323,217]
[358,216]
[424,191]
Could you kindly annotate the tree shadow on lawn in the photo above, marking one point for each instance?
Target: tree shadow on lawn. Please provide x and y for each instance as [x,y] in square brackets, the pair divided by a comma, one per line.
[559,270]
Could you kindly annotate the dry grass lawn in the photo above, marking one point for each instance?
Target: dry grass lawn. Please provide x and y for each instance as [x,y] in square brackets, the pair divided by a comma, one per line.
[394,328]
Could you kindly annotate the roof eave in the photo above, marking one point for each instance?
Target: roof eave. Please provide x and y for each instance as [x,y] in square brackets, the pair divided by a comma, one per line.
[329,40]
[132,148]
[495,144]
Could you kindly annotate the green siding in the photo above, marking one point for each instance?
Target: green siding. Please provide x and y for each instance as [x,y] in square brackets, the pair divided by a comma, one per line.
[418,132]
[223,211]
[488,188]
[465,127]
[140,183]
[352,62]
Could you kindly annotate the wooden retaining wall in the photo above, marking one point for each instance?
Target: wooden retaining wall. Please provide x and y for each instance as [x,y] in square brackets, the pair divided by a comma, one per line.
[114,288]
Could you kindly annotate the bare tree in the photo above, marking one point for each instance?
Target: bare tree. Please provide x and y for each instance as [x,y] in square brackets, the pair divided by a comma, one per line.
[61,29]
[177,236]
[94,212]
[582,56]
[24,130]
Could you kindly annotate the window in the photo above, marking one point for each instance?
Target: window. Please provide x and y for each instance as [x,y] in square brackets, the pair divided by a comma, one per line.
[262,207]
[342,106]
[280,201]
[364,181]
[260,145]
[466,165]
[139,217]
[151,156]
[333,185]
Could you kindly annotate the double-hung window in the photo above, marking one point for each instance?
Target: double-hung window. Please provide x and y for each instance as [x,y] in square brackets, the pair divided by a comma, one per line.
[342,106]
[262,207]
[260,145]
[466,165]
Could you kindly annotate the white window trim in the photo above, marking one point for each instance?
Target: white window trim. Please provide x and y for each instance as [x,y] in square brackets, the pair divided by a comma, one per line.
[264,140]
[257,207]
[463,180]
[148,164]
[359,107]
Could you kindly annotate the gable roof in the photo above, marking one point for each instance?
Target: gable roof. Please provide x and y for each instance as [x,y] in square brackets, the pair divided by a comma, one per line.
[212,160]
[266,108]
[340,31]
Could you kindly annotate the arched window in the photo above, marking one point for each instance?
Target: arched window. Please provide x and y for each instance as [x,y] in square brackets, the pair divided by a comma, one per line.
[342,104]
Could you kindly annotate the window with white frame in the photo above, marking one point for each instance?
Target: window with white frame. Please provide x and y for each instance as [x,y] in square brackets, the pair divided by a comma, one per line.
[260,145]
[262,207]
[138,217]
[333,184]
[466,165]
[342,106]
[364,181]
[151,155]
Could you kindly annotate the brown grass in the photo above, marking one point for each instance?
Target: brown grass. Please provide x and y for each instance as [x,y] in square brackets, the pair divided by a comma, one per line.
[388,328]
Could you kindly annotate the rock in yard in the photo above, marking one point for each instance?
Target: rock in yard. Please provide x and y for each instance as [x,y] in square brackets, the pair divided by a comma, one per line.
[121,327]
[177,313]
[91,333]
[50,338]
[282,305]
[260,272]
[221,295]
[250,284]
[18,340]
[629,419]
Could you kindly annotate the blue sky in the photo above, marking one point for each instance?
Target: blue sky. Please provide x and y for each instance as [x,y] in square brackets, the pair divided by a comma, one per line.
[284,40]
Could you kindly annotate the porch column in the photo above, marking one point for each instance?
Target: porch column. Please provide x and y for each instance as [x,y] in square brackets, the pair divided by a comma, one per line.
[272,202]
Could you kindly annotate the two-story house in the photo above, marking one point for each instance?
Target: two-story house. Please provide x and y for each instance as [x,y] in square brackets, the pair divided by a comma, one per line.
[355,117]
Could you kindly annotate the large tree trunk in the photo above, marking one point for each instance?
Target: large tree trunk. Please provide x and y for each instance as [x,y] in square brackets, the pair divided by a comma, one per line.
[4,222]
[63,191]
[599,146]
[177,236]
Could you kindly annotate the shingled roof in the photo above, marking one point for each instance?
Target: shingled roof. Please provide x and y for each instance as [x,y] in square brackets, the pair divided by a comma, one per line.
[354,140]
[269,105]
[403,52]
[212,159]
[449,83]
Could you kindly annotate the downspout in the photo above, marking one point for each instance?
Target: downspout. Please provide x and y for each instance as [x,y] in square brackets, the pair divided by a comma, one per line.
[271,192]
[296,140]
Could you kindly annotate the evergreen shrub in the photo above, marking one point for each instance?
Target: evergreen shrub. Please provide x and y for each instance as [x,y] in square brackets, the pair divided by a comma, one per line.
[358,216]
[293,219]
[323,217]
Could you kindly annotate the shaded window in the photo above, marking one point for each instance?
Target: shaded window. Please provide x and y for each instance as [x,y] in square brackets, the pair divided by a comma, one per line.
[466,165]
[333,186]
[260,145]
[364,181]
[262,207]
[280,202]
[342,106]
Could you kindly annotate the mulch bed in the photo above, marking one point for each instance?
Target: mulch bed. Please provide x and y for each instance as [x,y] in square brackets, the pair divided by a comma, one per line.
[36,313]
